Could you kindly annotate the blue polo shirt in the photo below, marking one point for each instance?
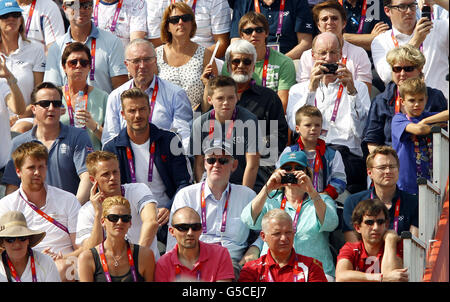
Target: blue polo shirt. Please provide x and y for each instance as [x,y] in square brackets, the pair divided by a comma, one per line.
[109,59]
[297,19]
[378,125]
[374,14]
[66,158]
[409,209]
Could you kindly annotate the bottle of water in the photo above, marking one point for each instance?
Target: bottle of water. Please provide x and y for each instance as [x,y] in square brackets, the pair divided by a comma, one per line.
[79,104]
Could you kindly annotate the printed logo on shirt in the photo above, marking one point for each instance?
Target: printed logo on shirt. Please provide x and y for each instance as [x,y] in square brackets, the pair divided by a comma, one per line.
[89,149]
[400,218]
[286,13]
[63,148]
[308,25]
[164,158]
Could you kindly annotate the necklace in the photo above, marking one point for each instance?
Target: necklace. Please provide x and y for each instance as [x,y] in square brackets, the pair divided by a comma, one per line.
[116,260]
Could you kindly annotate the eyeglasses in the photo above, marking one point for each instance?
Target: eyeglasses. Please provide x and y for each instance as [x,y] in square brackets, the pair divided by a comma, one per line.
[237,62]
[13,239]
[74,63]
[145,60]
[250,30]
[405,68]
[404,7]
[290,168]
[13,14]
[384,168]
[372,221]
[184,227]
[114,218]
[46,103]
[221,160]
[83,5]
[176,19]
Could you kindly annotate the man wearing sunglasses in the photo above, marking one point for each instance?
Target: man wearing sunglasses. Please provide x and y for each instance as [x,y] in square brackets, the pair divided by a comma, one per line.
[378,255]
[107,69]
[222,204]
[430,36]
[68,146]
[192,259]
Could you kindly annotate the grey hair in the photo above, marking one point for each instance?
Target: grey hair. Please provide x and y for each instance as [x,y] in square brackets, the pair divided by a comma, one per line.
[139,41]
[276,214]
[240,46]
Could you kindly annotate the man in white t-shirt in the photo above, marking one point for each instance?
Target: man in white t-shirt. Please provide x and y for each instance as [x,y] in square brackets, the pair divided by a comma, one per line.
[104,173]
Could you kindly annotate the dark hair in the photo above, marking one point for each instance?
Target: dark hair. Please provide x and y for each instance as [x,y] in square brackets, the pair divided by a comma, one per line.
[387,2]
[369,207]
[75,47]
[255,18]
[333,4]
[166,36]
[133,93]
[220,81]
[44,85]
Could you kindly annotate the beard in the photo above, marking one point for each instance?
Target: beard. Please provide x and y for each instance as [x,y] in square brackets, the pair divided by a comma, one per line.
[241,78]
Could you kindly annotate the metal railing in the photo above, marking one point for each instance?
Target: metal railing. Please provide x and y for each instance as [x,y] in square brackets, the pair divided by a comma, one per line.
[430,205]
[440,157]
[414,256]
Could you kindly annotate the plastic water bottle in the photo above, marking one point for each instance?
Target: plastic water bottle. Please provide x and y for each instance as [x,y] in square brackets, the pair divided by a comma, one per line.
[80,103]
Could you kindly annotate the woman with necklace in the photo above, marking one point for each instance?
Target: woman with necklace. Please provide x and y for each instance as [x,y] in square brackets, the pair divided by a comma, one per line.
[115,259]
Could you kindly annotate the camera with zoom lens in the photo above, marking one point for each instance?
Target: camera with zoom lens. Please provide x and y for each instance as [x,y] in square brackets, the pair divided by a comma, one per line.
[289,178]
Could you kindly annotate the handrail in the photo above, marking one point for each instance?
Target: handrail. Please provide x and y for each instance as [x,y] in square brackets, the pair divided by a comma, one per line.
[414,251]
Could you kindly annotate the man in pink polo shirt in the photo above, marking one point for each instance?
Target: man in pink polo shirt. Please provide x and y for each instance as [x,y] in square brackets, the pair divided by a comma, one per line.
[191,259]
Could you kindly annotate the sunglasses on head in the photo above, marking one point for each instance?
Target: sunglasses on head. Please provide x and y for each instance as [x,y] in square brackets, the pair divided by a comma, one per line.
[74,63]
[250,30]
[184,227]
[13,239]
[221,160]
[13,14]
[237,62]
[114,218]
[372,221]
[46,103]
[83,5]
[296,168]
[176,19]
[405,68]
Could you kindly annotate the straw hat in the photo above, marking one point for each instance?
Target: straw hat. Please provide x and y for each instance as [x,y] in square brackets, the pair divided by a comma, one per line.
[14,224]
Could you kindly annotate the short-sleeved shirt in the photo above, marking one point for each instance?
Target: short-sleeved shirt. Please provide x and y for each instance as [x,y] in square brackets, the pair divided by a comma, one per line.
[260,270]
[408,215]
[66,158]
[213,264]
[109,59]
[297,18]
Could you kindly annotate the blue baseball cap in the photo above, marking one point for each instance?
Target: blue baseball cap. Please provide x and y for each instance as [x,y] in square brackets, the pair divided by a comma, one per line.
[298,157]
[9,6]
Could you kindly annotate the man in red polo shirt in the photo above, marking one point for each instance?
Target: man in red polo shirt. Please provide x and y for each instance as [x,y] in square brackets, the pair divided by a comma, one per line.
[377,257]
[281,263]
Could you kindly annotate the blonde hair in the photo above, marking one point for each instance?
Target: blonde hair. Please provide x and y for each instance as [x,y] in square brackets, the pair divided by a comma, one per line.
[97,156]
[406,53]
[412,86]
[110,202]
[29,149]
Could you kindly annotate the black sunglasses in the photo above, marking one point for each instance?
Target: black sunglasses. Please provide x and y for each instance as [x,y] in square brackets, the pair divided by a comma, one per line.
[13,239]
[250,30]
[83,5]
[237,62]
[13,14]
[176,19]
[405,68]
[114,218]
[221,160]
[46,103]
[372,221]
[296,168]
[73,63]
[184,227]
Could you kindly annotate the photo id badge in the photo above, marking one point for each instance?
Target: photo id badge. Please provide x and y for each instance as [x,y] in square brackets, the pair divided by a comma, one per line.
[274,46]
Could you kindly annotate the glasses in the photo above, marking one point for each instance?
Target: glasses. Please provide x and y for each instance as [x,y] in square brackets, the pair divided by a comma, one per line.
[74,63]
[290,168]
[46,103]
[405,68]
[83,5]
[145,60]
[404,7]
[184,227]
[114,218]
[237,62]
[176,19]
[372,221]
[331,53]
[13,239]
[250,30]
[384,168]
[221,160]
[13,14]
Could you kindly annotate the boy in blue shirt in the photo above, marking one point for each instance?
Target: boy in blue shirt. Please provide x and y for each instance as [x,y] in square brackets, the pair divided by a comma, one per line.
[410,135]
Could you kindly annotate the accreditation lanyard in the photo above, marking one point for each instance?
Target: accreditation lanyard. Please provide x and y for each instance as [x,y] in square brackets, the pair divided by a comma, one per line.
[265,67]
[153,100]
[337,102]
[363,15]
[397,105]
[43,214]
[318,165]
[194,4]
[150,163]
[212,120]
[297,212]
[419,156]
[178,272]
[105,265]
[394,39]
[69,104]
[295,273]
[92,72]
[30,15]
[280,15]
[203,209]
[396,212]
[116,15]
[13,270]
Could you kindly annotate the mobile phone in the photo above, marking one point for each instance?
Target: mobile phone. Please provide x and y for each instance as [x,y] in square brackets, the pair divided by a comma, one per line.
[426,12]
[332,67]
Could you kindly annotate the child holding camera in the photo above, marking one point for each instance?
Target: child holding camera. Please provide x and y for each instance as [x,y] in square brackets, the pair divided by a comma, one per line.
[314,215]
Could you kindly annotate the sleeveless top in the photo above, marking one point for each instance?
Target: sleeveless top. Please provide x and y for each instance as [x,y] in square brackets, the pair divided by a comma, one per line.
[186,76]
[99,274]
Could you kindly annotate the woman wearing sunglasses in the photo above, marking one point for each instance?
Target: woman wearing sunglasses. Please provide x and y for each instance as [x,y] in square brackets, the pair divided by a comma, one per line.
[20,263]
[76,63]
[180,60]
[24,59]
[116,259]
[314,216]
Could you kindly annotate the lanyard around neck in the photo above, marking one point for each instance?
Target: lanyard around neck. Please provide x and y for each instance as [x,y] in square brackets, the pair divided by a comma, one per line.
[297,211]
[105,264]
[203,209]
[116,15]
[30,16]
[13,271]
